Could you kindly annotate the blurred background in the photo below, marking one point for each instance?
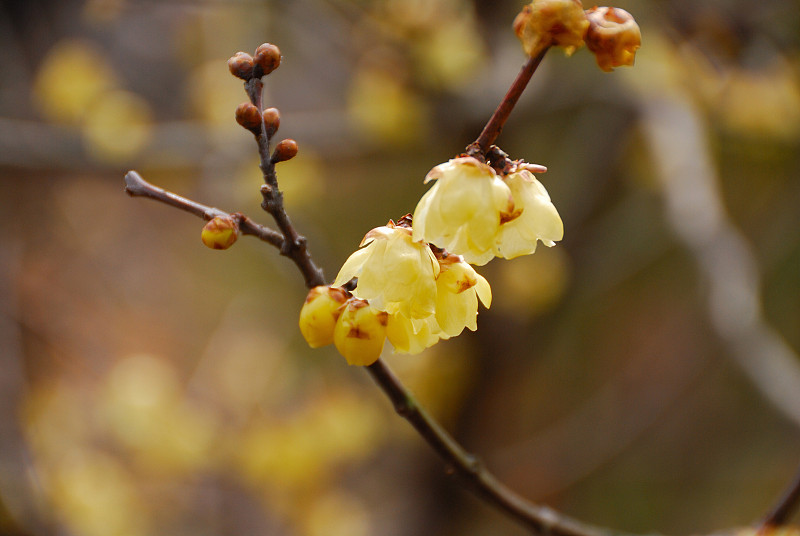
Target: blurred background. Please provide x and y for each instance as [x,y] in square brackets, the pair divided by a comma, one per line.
[641,375]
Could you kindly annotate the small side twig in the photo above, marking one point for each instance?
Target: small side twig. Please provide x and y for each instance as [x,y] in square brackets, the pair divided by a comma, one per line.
[788,503]
[136,186]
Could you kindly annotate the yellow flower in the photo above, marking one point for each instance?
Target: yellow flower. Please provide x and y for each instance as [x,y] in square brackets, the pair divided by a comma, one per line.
[458,288]
[538,219]
[395,273]
[360,332]
[319,314]
[613,37]
[462,212]
[406,339]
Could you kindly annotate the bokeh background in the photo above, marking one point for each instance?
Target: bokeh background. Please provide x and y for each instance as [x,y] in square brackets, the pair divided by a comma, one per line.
[642,375]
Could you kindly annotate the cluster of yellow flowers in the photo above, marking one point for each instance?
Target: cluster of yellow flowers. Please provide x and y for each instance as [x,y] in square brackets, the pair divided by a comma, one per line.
[413,281]
[415,285]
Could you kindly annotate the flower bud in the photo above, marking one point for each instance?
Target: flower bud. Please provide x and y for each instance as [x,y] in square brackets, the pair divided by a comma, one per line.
[360,332]
[241,65]
[247,115]
[267,58]
[319,314]
[272,120]
[220,232]
[613,37]
[285,150]
[544,23]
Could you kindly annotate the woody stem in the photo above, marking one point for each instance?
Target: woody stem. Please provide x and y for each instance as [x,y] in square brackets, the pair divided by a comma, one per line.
[495,124]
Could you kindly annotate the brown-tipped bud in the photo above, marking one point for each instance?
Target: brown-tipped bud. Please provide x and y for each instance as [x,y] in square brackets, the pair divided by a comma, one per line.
[247,115]
[285,150]
[241,65]
[267,58]
[220,232]
[545,23]
[272,120]
[613,37]
[319,314]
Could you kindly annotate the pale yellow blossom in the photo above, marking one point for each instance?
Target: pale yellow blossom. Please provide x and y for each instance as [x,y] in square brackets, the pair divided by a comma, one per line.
[538,220]
[395,273]
[463,211]
[406,339]
[459,287]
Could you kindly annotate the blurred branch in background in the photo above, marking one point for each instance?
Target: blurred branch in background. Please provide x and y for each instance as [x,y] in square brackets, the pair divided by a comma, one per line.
[786,506]
[679,145]
[20,498]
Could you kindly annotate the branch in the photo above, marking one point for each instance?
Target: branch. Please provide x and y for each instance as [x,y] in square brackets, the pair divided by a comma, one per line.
[539,519]
[786,505]
[294,245]
[495,124]
[136,186]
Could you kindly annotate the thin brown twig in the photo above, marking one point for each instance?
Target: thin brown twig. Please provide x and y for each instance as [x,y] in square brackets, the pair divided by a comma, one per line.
[787,505]
[495,124]
[294,245]
[540,519]
[136,186]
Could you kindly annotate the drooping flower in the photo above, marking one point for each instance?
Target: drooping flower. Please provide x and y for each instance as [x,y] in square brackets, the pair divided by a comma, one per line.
[395,273]
[463,211]
[319,314]
[613,37]
[473,212]
[360,332]
[407,337]
[538,219]
[458,288]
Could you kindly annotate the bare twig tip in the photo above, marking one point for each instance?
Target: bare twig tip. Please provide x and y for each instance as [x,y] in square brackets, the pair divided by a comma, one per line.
[133,183]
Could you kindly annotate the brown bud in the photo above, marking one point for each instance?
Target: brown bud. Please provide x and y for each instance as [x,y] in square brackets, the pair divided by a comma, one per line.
[241,65]
[285,150]
[272,120]
[220,232]
[247,115]
[613,37]
[267,58]
[545,23]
